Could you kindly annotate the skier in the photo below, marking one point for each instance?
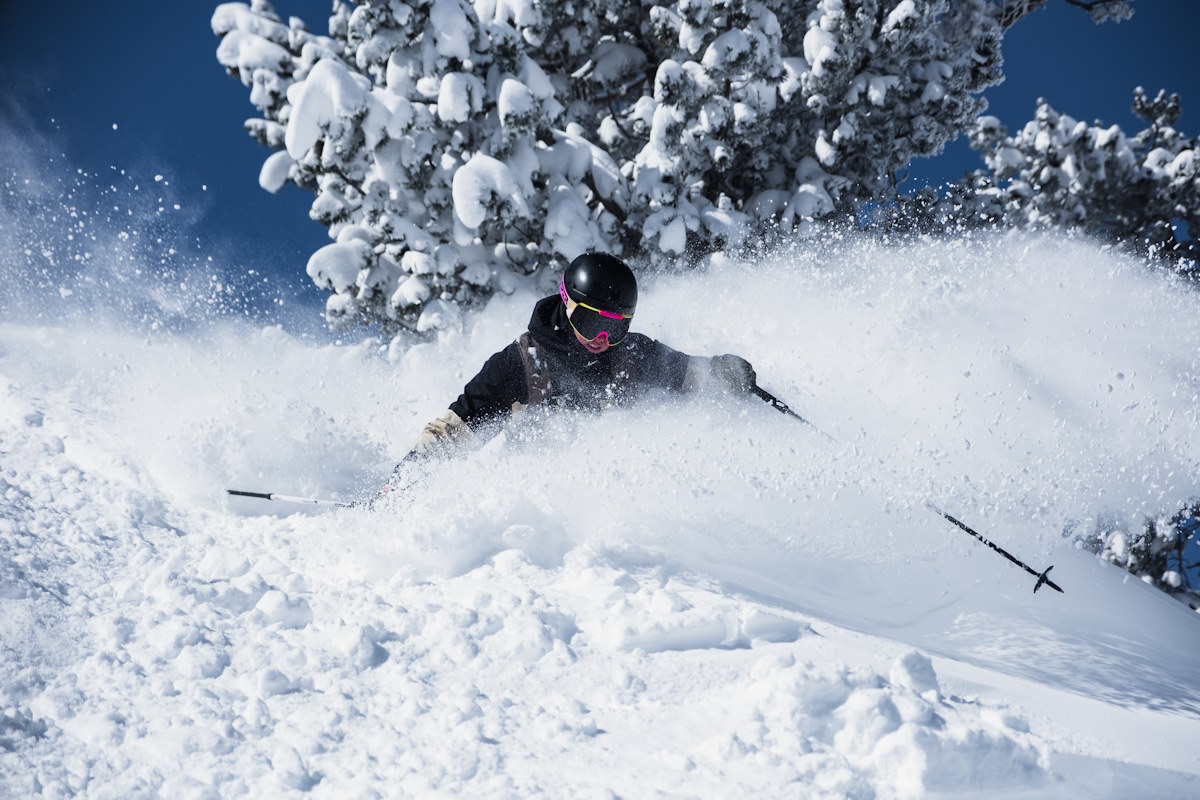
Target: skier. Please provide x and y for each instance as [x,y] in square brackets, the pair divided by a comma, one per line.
[578,353]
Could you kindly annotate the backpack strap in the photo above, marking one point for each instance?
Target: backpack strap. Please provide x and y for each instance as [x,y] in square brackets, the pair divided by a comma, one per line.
[535,374]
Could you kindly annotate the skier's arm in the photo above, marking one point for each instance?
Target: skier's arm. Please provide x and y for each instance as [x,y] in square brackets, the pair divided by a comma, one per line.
[683,373]
[488,396]
[491,393]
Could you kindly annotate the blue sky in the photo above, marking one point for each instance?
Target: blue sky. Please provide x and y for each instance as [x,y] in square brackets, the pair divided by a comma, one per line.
[149,68]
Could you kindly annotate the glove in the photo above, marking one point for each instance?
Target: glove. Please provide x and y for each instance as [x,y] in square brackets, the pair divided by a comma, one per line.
[404,474]
[734,372]
[443,436]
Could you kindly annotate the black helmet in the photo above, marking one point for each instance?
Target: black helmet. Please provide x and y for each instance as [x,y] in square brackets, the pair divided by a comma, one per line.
[601,281]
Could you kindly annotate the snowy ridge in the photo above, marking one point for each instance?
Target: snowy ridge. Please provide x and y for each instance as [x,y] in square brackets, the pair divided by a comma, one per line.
[696,598]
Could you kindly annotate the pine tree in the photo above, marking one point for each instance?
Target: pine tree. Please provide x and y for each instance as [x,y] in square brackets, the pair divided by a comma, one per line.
[1159,552]
[1058,171]
[451,144]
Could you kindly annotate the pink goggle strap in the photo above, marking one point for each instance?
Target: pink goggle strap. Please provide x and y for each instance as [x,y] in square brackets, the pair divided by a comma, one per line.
[570,304]
[562,292]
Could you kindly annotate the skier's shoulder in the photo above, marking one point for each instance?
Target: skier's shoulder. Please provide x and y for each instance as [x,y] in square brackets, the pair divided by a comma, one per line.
[507,360]
[499,372]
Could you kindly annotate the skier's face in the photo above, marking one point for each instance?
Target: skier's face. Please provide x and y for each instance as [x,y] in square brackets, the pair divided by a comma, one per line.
[595,328]
[597,345]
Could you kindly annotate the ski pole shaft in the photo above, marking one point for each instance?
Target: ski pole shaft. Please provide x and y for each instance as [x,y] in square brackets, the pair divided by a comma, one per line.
[783,408]
[778,404]
[286,498]
[1042,577]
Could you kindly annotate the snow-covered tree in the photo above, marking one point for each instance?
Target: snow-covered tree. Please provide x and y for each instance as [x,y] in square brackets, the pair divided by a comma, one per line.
[916,90]
[1057,171]
[449,143]
[1011,11]
[1159,553]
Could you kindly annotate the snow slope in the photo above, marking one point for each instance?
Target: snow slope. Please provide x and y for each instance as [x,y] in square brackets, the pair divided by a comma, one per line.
[686,598]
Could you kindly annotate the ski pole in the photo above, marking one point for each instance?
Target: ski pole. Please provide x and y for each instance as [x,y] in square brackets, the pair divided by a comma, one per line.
[287,498]
[1042,577]
[779,405]
[783,408]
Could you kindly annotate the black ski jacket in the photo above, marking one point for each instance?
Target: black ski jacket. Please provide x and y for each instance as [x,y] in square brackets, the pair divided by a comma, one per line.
[565,373]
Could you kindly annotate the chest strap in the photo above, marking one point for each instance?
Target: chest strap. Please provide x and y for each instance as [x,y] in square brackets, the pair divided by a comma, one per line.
[535,369]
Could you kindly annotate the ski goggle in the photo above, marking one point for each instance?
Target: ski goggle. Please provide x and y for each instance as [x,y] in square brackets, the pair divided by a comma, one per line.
[592,323]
